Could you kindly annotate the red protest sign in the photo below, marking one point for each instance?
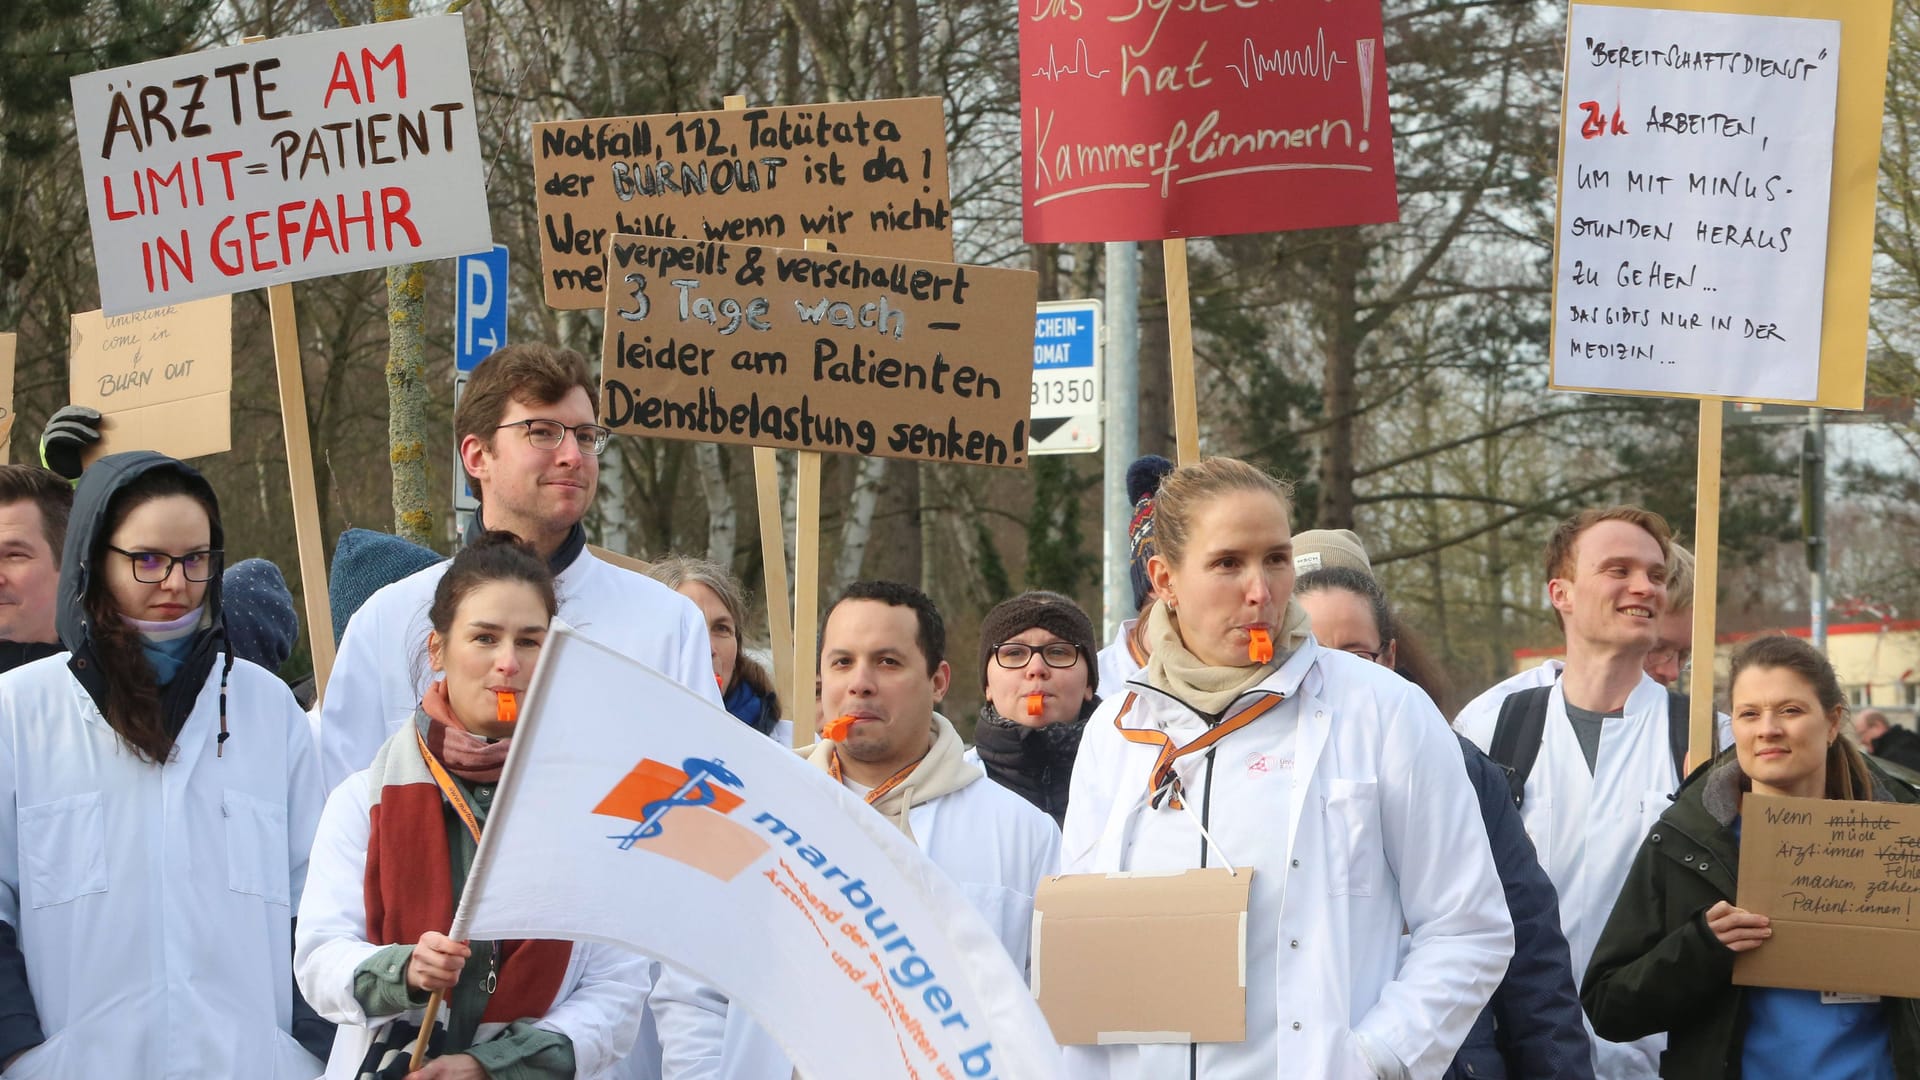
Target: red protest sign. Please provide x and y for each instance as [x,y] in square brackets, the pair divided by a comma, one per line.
[1157,119]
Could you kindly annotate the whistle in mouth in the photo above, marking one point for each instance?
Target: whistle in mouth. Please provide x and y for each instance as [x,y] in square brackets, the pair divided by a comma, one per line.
[1035,702]
[507,706]
[1259,646]
[837,728]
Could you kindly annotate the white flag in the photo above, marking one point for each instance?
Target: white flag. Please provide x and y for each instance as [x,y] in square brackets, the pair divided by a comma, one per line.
[634,813]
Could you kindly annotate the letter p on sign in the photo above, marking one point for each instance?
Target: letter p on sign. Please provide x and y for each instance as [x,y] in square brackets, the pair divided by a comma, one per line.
[481,325]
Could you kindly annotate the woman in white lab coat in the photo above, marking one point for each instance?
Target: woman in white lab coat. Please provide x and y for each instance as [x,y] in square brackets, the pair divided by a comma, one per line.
[395,845]
[1334,780]
[157,800]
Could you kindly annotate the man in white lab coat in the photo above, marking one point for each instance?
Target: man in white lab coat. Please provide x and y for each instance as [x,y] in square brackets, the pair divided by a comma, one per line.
[528,439]
[882,663]
[1605,768]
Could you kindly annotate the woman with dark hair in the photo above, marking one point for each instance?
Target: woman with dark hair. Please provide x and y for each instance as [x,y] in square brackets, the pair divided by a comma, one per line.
[394,848]
[746,689]
[1665,960]
[1531,1030]
[157,800]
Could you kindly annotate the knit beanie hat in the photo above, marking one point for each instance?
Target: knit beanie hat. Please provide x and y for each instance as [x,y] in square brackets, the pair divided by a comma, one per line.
[261,622]
[364,562]
[1143,483]
[1326,549]
[1057,615]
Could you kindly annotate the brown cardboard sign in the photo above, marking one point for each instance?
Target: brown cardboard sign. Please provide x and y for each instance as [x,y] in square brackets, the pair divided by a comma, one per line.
[806,350]
[8,344]
[162,379]
[1143,957]
[1841,883]
[868,176]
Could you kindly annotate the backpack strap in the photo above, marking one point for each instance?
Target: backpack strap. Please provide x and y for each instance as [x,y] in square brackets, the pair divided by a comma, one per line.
[1679,719]
[1517,736]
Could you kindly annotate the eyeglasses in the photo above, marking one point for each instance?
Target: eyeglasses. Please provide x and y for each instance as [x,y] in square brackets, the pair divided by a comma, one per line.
[1058,654]
[1371,656]
[152,567]
[548,434]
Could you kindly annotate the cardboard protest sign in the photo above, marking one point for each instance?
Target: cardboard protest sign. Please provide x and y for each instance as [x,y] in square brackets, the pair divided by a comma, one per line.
[8,345]
[1143,958]
[633,812]
[1840,882]
[847,354]
[866,176]
[280,161]
[1716,163]
[1149,121]
[162,379]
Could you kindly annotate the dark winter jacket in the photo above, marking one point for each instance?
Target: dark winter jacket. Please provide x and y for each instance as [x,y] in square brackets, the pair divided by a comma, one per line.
[1900,746]
[15,653]
[1659,968]
[1531,1030]
[1033,763]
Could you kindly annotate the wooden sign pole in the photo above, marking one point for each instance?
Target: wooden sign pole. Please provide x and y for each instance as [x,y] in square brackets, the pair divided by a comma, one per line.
[306,504]
[1706,566]
[773,556]
[806,593]
[1186,404]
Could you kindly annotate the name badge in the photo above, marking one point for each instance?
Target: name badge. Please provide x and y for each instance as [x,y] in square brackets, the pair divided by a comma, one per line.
[1831,997]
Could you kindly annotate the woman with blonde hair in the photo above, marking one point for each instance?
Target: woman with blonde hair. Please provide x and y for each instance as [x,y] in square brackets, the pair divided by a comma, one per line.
[1243,743]
[1665,960]
[746,688]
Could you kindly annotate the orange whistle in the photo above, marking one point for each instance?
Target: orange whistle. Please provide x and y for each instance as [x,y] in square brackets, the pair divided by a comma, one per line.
[837,728]
[1034,704]
[507,704]
[1259,646]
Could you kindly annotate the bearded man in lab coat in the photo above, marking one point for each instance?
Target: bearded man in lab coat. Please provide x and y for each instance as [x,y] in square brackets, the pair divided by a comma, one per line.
[1605,769]
[529,440]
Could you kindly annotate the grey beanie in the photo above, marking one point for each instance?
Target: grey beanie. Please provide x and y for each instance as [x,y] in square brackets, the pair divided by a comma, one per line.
[261,622]
[364,562]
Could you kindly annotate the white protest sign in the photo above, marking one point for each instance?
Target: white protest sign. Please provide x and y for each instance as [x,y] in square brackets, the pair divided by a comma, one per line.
[1696,162]
[633,813]
[280,161]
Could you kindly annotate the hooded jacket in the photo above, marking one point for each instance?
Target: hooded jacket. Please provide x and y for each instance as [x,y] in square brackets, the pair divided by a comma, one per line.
[152,901]
[86,537]
[1658,968]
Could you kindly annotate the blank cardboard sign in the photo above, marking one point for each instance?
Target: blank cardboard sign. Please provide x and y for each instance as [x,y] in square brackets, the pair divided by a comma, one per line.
[8,343]
[1840,881]
[1143,957]
[162,379]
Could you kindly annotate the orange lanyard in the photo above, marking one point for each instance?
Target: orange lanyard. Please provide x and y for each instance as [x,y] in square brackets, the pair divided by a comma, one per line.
[1163,773]
[874,796]
[448,787]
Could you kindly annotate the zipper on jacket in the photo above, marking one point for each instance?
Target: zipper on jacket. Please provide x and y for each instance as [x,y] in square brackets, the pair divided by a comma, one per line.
[1206,822]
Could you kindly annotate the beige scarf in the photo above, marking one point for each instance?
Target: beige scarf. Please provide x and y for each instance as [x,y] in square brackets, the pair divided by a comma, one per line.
[943,771]
[1172,668]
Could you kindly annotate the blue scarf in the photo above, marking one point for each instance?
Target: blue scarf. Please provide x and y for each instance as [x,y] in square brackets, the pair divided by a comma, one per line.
[166,644]
[745,704]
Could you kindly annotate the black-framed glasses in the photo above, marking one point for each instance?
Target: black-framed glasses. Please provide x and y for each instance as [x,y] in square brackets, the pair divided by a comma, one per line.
[549,434]
[152,567]
[1056,654]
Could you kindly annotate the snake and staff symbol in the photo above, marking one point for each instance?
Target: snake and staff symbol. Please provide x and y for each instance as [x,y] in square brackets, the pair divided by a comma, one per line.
[697,790]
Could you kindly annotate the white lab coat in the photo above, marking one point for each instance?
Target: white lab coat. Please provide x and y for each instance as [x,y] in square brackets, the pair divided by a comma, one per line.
[155,903]
[1587,827]
[382,668]
[598,1006]
[1541,674]
[1115,662]
[1348,802]
[994,844]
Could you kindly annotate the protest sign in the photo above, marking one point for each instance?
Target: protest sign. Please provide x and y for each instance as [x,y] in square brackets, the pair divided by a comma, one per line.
[866,176]
[8,345]
[279,161]
[1839,881]
[162,379]
[820,351]
[1716,163]
[1148,121]
[634,813]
